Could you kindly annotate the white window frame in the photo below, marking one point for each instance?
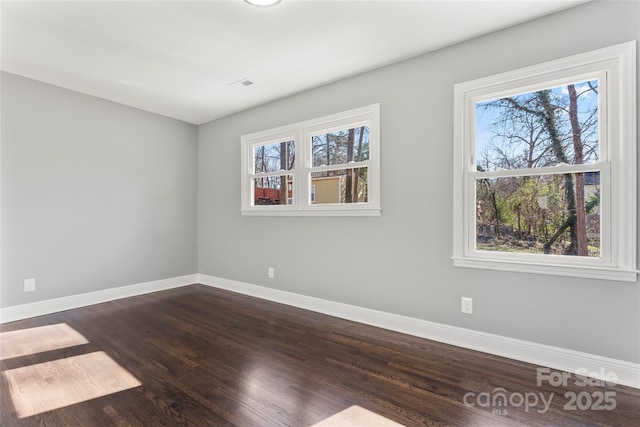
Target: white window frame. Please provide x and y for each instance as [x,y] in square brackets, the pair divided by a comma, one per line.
[615,67]
[301,134]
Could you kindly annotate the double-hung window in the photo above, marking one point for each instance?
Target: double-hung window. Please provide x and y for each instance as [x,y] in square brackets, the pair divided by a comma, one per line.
[545,168]
[324,166]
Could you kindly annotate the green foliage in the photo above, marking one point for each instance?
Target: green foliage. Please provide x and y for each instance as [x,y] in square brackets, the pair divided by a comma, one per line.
[543,129]
[530,210]
[592,202]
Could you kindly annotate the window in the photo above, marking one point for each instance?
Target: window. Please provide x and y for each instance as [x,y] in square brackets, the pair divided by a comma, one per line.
[325,166]
[545,168]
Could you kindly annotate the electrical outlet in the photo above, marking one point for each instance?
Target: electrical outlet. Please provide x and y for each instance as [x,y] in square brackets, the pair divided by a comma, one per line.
[467,305]
[29,285]
[270,272]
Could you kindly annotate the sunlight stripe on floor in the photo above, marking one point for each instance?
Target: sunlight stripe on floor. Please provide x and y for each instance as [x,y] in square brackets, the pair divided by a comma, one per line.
[356,416]
[23,342]
[43,387]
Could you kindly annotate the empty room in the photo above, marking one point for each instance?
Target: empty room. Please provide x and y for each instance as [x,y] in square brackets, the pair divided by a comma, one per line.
[319,213]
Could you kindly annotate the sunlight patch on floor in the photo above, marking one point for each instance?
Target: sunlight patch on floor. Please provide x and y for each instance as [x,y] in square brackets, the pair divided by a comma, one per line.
[24,342]
[356,416]
[52,385]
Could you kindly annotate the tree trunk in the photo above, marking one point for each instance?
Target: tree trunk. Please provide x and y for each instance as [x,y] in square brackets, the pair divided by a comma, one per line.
[356,179]
[568,223]
[284,196]
[581,220]
[328,150]
[549,119]
[349,178]
[360,139]
[496,210]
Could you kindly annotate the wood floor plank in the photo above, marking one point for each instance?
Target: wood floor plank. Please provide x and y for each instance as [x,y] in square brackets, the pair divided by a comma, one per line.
[208,357]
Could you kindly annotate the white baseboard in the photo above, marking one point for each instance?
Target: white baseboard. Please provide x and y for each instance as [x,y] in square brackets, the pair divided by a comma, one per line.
[40,308]
[627,373]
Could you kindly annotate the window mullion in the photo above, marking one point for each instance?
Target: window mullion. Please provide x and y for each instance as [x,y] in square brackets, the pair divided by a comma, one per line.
[340,166]
[550,170]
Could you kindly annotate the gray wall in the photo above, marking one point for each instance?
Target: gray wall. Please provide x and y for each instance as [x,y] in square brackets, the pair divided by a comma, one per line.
[95,195]
[400,262]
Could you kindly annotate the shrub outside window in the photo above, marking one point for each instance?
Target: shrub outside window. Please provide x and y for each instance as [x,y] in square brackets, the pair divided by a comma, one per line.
[545,168]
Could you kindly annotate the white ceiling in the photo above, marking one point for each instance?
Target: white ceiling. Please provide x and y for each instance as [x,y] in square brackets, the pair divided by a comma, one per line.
[179,58]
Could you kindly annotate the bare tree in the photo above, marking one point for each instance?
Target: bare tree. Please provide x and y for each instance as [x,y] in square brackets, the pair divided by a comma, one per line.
[539,129]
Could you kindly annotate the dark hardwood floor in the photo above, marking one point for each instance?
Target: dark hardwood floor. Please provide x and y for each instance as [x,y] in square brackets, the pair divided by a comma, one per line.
[207,357]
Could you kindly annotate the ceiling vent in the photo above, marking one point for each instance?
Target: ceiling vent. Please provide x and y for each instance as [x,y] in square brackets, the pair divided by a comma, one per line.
[241,83]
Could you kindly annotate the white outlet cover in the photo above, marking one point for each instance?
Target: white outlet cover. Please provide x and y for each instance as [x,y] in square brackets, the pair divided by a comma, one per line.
[467,305]
[29,285]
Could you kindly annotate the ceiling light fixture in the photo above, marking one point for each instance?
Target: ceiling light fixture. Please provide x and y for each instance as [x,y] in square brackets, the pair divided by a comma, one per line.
[262,3]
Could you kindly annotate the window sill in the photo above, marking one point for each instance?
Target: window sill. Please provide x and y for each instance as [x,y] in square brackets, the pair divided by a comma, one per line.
[602,273]
[312,212]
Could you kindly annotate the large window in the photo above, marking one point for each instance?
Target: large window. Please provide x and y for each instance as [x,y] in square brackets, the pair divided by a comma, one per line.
[325,166]
[545,168]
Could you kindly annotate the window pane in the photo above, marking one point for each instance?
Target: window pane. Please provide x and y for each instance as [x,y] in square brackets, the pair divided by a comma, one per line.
[342,146]
[539,129]
[538,214]
[273,190]
[274,157]
[339,186]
